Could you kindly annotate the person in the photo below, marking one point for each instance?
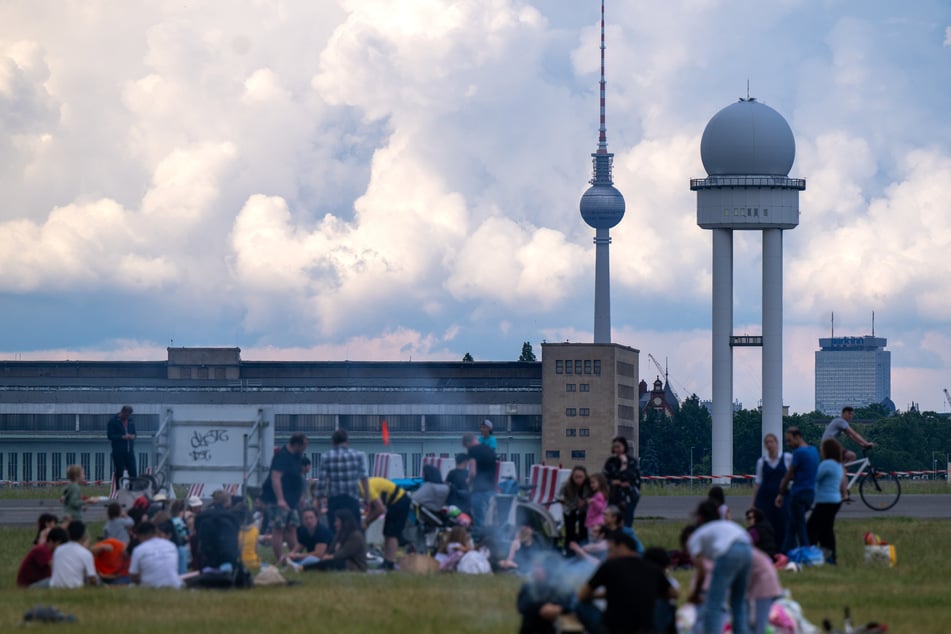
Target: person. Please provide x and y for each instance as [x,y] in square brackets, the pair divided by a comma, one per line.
[112,561]
[72,499]
[282,492]
[313,539]
[458,481]
[728,546]
[433,494]
[525,547]
[349,548]
[573,497]
[613,522]
[631,585]
[486,437]
[73,566]
[821,524]
[44,523]
[597,501]
[799,496]
[342,471]
[481,478]
[117,523]
[770,470]
[761,532]
[763,589]
[665,610]
[623,473]
[841,425]
[35,569]
[717,494]
[541,599]
[248,536]
[120,431]
[453,548]
[155,560]
[385,497]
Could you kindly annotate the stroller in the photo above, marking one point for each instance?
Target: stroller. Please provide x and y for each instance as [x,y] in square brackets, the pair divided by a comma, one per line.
[219,557]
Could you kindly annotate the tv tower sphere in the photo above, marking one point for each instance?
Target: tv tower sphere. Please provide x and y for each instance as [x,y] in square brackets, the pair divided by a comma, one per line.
[602,206]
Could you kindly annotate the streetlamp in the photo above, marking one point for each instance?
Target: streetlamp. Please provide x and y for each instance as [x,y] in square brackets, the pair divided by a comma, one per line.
[934,466]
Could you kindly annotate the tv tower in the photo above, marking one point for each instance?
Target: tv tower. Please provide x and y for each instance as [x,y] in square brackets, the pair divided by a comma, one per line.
[747,150]
[602,207]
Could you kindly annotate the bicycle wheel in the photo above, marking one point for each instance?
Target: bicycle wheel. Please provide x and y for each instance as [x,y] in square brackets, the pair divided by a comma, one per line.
[880,490]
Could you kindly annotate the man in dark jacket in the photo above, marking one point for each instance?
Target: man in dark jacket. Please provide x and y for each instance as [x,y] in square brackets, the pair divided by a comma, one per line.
[121,433]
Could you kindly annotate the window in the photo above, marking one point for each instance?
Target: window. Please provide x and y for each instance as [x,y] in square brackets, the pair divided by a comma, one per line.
[587,366]
[57,466]
[12,466]
[577,454]
[765,211]
[578,366]
[220,373]
[185,373]
[100,471]
[559,367]
[70,458]
[584,387]
[584,411]
[568,367]
[570,387]
[84,463]
[571,432]
[597,367]
[571,411]
[27,466]
[41,466]
[202,373]
[584,432]
[552,454]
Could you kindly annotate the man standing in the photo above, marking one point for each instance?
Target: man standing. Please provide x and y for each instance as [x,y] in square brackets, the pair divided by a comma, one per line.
[631,587]
[343,475]
[282,492]
[481,477]
[840,425]
[121,433]
[799,497]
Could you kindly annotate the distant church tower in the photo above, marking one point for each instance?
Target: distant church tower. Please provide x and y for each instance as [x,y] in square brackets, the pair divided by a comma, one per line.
[602,207]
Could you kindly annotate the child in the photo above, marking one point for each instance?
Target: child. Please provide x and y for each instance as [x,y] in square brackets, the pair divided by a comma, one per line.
[572,498]
[118,523]
[597,501]
[717,495]
[524,548]
[248,539]
[456,545]
[73,499]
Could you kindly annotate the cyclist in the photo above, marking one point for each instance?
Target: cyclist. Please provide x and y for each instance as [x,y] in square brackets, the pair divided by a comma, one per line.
[836,427]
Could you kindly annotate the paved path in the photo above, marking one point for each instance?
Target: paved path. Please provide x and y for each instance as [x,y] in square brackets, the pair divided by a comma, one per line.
[676,508]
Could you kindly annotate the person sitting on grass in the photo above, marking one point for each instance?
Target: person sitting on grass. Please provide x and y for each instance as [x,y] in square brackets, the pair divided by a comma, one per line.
[112,561]
[541,599]
[456,545]
[313,540]
[718,495]
[524,549]
[35,569]
[118,523]
[665,610]
[349,548]
[761,531]
[73,566]
[155,560]
[44,523]
[613,521]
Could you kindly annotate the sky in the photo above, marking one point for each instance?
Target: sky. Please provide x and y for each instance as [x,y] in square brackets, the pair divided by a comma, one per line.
[372,180]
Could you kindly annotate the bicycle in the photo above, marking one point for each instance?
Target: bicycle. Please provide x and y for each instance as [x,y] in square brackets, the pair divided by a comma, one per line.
[879,490]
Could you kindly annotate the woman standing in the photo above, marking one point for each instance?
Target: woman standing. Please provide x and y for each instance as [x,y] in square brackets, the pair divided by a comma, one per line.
[770,470]
[624,476]
[573,496]
[821,524]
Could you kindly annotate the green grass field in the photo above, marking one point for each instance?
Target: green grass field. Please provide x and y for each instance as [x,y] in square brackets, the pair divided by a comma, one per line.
[912,597]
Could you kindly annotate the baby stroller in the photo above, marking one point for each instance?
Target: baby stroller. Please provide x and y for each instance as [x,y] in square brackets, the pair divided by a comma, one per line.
[431,514]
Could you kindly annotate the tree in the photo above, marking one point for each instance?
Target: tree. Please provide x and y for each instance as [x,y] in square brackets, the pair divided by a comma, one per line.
[527,354]
[467,358]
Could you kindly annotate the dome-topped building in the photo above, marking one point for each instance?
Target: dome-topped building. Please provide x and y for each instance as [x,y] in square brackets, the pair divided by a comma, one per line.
[747,138]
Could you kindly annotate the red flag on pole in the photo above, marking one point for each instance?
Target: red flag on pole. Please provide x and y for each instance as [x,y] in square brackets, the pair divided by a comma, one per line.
[386,434]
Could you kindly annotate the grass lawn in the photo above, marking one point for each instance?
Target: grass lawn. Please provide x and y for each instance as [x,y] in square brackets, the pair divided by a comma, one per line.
[912,597]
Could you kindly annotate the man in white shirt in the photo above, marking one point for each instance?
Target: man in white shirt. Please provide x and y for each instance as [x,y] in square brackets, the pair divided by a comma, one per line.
[73,565]
[155,560]
[840,425]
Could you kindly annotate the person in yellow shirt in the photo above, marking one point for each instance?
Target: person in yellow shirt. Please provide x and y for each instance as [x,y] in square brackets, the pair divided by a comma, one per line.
[385,497]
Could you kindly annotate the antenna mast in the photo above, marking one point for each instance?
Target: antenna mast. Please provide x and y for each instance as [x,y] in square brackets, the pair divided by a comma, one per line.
[602,131]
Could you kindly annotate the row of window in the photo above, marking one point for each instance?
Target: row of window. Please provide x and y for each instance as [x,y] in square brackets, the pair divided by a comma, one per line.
[581,387]
[752,212]
[20,466]
[571,432]
[578,366]
[577,411]
[555,454]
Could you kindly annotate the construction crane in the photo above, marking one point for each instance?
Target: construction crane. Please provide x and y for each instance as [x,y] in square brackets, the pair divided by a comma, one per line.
[663,372]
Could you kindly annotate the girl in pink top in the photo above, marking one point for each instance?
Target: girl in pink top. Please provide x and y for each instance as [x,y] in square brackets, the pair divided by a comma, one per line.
[598,501]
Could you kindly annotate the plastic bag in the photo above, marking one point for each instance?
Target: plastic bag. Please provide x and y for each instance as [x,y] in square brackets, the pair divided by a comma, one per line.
[474,562]
[807,556]
[883,554]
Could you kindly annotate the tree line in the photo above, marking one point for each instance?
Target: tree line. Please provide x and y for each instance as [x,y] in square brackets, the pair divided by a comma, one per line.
[907,441]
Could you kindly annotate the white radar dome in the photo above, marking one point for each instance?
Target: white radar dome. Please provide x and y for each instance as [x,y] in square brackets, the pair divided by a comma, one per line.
[747,138]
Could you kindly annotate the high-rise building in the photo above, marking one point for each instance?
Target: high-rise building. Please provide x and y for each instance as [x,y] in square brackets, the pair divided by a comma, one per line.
[854,371]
